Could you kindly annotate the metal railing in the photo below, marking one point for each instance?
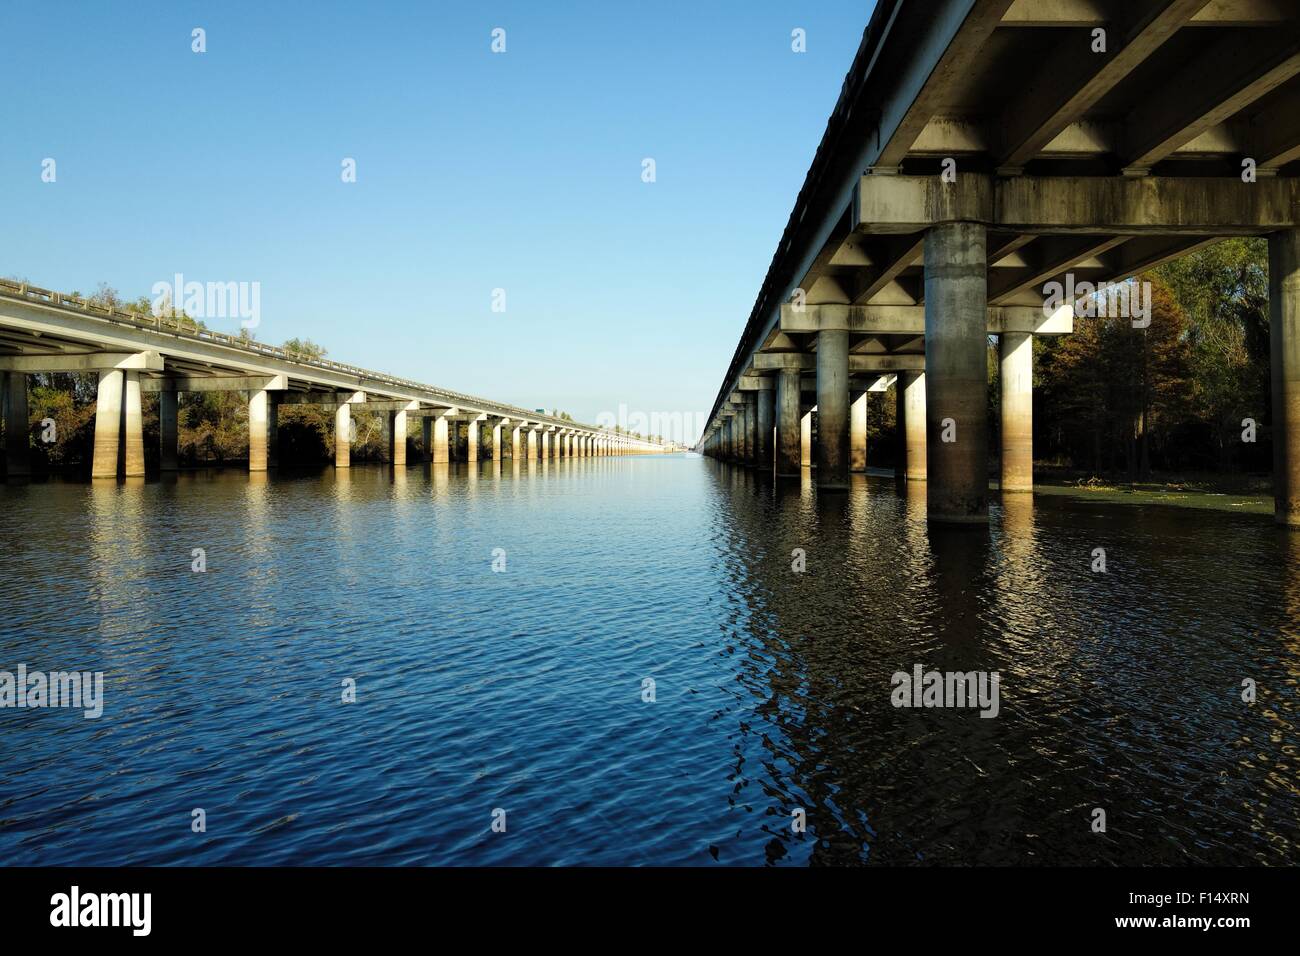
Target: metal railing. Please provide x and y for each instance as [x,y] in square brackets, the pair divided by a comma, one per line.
[178,326]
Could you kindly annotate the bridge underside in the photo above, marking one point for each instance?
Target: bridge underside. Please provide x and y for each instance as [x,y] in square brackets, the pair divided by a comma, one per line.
[989,158]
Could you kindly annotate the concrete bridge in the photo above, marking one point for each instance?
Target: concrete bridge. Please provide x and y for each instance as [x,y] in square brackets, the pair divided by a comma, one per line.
[43,331]
[981,149]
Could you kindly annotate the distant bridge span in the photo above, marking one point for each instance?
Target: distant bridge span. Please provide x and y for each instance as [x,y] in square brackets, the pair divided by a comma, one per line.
[981,149]
[44,331]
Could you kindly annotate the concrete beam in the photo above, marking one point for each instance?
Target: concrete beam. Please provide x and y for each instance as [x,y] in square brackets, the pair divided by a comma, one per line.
[1066,205]
[219,383]
[908,320]
[87,362]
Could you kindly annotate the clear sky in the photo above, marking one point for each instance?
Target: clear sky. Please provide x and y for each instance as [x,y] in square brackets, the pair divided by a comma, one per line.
[475,171]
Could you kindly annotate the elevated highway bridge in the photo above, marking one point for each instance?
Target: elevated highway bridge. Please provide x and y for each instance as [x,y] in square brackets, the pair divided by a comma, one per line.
[985,151]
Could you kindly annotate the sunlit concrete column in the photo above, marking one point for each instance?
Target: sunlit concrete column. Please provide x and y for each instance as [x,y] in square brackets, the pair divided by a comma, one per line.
[764,411]
[496,440]
[546,444]
[17,415]
[516,443]
[858,433]
[956,372]
[805,440]
[1017,374]
[1284,335]
[534,443]
[426,437]
[168,429]
[343,435]
[397,432]
[471,442]
[258,428]
[108,423]
[832,454]
[441,440]
[911,424]
[133,420]
[788,423]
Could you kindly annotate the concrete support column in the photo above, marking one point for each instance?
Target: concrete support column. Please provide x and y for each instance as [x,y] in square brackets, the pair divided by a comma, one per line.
[441,441]
[534,443]
[956,372]
[911,424]
[17,437]
[764,412]
[546,444]
[133,419]
[343,436]
[787,423]
[496,441]
[258,428]
[168,429]
[833,410]
[426,435]
[471,443]
[397,432]
[1016,350]
[108,423]
[858,433]
[751,428]
[516,443]
[1284,335]
[805,440]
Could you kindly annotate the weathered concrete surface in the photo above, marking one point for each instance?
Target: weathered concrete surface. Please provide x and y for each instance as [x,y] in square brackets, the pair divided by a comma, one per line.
[911,407]
[108,423]
[956,373]
[398,430]
[832,454]
[133,422]
[258,429]
[1284,335]
[1016,373]
[858,433]
[343,435]
[765,413]
[16,415]
[788,414]
[168,429]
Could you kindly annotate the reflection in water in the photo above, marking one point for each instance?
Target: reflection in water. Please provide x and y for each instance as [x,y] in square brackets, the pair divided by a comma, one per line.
[520,687]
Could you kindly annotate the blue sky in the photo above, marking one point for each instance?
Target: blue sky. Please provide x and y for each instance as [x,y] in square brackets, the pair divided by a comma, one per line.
[475,171]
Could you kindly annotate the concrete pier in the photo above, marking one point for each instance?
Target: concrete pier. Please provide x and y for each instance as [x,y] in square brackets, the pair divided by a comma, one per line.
[956,372]
[765,416]
[441,440]
[832,454]
[805,440]
[108,423]
[398,431]
[1016,368]
[343,435]
[168,429]
[471,442]
[516,443]
[1284,335]
[496,440]
[858,433]
[16,415]
[133,422]
[258,429]
[911,424]
[788,415]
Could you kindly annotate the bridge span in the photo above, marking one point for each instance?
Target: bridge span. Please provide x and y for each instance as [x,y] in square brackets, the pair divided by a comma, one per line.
[981,151]
[44,331]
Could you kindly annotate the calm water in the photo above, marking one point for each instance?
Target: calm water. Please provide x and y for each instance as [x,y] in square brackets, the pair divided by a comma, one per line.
[522,690]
